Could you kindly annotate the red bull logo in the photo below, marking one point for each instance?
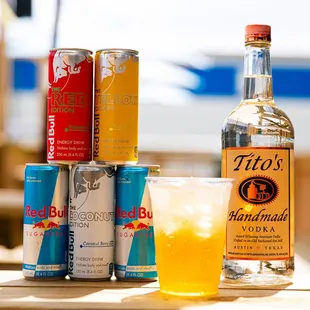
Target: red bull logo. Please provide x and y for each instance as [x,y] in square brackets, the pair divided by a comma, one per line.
[135,213]
[137,229]
[140,216]
[65,64]
[51,136]
[51,225]
[129,226]
[137,225]
[45,216]
[38,225]
[46,212]
[142,226]
[112,65]
[46,225]
[46,228]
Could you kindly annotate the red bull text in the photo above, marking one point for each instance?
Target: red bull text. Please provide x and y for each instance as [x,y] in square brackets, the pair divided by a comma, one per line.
[45,221]
[91,222]
[69,113]
[134,248]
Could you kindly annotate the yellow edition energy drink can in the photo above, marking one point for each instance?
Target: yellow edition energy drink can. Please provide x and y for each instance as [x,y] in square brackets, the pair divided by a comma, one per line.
[116,106]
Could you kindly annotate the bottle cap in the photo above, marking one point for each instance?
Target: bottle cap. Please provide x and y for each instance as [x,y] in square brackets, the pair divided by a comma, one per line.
[257,33]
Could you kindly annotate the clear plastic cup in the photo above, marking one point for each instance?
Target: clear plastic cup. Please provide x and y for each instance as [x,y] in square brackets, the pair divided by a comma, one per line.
[189,216]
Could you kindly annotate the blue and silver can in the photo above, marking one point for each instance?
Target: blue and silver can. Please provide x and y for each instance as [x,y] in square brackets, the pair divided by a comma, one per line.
[134,246]
[46,194]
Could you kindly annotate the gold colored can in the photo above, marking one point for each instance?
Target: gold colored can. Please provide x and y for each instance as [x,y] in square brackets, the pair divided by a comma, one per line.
[116,106]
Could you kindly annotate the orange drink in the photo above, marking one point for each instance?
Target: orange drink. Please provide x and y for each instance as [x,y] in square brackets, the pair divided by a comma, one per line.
[189,217]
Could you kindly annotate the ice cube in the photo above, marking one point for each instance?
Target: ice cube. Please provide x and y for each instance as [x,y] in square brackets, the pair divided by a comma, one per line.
[205,223]
[189,209]
[203,234]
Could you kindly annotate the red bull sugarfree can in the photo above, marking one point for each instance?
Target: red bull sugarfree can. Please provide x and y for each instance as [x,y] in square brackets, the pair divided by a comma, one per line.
[91,222]
[69,113]
[134,247]
[45,221]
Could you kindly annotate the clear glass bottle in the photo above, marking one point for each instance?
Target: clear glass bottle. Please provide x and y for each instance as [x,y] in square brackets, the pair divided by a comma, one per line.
[257,150]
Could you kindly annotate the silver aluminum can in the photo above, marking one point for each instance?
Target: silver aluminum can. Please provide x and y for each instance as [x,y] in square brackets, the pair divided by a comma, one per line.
[91,222]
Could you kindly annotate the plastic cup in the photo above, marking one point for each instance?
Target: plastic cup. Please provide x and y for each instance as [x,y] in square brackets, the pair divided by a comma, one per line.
[189,217]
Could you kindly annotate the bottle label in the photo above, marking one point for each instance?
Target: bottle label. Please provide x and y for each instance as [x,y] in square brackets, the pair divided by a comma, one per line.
[259,224]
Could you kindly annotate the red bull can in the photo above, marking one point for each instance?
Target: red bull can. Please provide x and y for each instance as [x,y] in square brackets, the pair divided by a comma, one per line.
[91,222]
[69,113]
[46,193]
[134,246]
[116,106]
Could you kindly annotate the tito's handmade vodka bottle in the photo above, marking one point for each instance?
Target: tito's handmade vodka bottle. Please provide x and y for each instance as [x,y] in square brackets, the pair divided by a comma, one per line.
[257,150]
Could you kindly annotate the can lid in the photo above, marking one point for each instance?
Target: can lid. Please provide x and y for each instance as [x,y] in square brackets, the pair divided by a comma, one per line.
[70,49]
[257,33]
[92,164]
[118,50]
[139,166]
[46,165]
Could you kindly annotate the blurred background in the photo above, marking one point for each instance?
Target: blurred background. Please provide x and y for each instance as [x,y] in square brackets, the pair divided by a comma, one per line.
[191,70]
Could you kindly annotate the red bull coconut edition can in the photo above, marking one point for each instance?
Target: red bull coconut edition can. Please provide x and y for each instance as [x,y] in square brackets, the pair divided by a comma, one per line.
[69,113]
[91,222]
[134,248]
[46,189]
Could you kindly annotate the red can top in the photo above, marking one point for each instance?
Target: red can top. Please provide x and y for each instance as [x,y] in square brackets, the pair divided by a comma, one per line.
[257,33]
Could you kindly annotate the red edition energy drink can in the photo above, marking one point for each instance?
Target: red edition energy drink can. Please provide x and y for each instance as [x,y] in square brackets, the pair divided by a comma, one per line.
[69,113]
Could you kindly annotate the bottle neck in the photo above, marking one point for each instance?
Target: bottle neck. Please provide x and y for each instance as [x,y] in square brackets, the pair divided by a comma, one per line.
[257,73]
